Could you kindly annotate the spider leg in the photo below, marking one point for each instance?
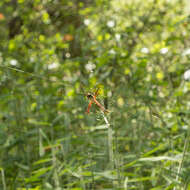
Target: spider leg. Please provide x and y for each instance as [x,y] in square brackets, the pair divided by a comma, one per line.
[96,92]
[99,105]
[89,106]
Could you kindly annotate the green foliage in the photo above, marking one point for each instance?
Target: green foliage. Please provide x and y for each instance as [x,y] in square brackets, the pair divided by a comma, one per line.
[136,52]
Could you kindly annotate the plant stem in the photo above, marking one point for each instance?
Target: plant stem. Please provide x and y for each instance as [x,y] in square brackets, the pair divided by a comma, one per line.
[183,156]
[3,179]
[110,139]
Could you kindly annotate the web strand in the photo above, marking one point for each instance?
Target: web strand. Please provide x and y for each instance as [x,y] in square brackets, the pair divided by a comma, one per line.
[33,75]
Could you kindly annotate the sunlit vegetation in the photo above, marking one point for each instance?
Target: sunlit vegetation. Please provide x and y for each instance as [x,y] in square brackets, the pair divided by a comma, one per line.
[52,53]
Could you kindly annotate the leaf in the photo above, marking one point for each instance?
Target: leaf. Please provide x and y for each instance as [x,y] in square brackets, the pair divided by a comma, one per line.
[160,158]
[100,127]
[107,174]
[141,179]
[42,161]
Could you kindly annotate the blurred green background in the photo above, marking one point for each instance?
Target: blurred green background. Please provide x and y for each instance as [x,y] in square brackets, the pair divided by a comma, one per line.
[52,52]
